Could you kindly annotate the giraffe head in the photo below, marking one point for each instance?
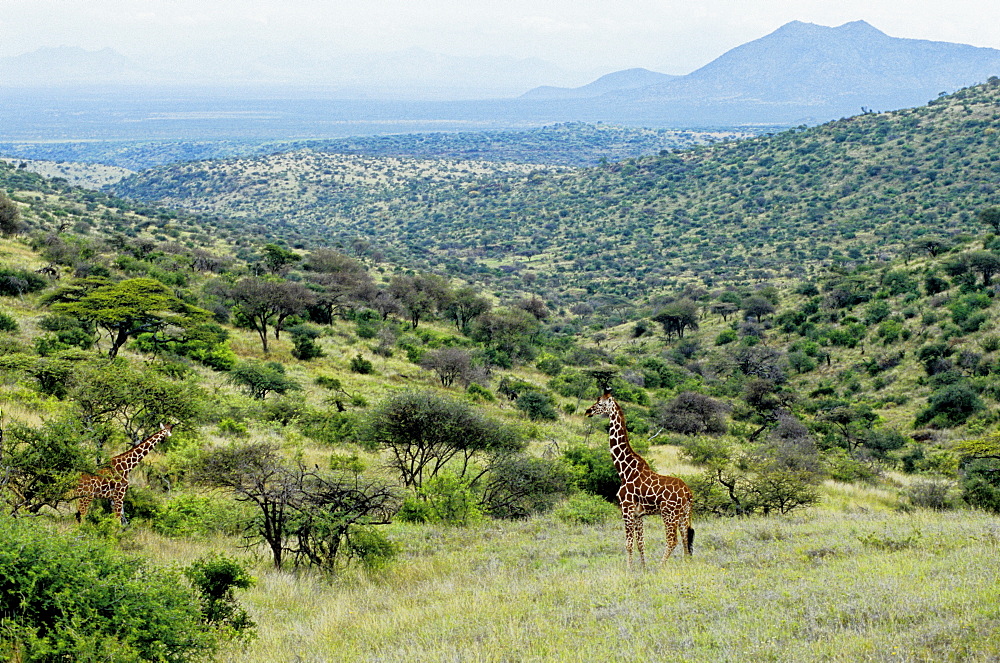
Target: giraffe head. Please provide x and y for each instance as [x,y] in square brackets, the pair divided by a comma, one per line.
[604,405]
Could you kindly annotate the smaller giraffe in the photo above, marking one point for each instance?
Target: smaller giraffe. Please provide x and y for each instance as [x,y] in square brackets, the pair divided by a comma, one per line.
[643,491]
[112,481]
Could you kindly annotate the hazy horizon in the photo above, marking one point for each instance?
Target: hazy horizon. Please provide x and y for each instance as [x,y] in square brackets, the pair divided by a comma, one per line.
[506,46]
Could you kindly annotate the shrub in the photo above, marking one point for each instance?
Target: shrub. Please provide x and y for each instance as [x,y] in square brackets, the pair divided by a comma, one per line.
[197,515]
[447,499]
[215,578]
[981,484]
[950,405]
[8,323]
[706,450]
[16,282]
[361,365]
[370,547]
[595,471]
[329,427]
[931,494]
[520,485]
[55,584]
[586,509]
[537,406]
[726,337]
[304,342]
[479,392]
[231,428]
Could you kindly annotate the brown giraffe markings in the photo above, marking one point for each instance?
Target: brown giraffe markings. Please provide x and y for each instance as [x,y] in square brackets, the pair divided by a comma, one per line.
[643,491]
[112,481]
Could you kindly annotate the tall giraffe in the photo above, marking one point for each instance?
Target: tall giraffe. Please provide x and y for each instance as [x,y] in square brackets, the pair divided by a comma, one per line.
[643,491]
[112,481]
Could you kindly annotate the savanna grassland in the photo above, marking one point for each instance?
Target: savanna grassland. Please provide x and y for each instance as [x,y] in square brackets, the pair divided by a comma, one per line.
[852,580]
[377,369]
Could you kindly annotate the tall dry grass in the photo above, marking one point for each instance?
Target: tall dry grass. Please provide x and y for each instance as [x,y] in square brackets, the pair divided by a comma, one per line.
[853,580]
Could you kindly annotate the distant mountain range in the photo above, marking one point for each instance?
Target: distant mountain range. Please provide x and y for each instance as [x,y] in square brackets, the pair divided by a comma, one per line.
[800,70]
[412,73]
[799,74]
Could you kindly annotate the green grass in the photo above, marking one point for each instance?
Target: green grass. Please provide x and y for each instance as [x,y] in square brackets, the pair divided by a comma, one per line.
[852,580]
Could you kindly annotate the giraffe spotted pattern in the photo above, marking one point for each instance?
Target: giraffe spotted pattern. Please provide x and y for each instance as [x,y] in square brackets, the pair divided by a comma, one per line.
[112,481]
[644,492]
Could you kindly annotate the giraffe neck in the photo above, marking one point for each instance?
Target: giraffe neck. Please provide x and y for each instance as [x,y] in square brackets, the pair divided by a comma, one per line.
[628,463]
[123,463]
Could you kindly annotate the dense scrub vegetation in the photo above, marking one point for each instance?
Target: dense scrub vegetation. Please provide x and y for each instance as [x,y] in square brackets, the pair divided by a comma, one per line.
[330,403]
[861,189]
[570,144]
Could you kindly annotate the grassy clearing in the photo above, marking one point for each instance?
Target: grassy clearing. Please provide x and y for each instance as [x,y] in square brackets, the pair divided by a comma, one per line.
[844,582]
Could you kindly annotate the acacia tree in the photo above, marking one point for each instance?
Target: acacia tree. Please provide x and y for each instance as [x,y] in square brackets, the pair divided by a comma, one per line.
[986,263]
[341,282]
[129,308]
[692,413]
[262,304]
[991,217]
[450,364]
[136,400]
[678,316]
[420,295]
[297,511]
[424,432]
[465,305]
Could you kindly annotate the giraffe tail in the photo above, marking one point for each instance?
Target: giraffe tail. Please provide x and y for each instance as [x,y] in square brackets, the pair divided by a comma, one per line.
[689,540]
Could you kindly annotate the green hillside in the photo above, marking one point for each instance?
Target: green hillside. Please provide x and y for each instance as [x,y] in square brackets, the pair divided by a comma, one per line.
[864,188]
[387,429]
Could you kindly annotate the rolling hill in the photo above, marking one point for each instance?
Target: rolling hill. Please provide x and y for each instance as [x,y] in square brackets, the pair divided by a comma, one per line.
[859,189]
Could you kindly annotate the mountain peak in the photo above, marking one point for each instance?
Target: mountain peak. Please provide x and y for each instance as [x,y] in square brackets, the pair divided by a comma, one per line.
[854,29]
[860,28]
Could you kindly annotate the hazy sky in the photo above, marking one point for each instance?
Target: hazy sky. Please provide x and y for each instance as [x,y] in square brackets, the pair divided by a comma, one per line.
[671,36]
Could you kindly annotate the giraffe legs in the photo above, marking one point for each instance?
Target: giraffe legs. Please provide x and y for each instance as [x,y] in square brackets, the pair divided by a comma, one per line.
[83,507]
[118,503]
[670,524]
[633,532]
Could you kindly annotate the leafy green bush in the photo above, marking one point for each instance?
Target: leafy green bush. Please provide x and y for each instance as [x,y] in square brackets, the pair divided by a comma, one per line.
[78,599]
[304,342]
[447,499]
[197,515]
[479,392]
[370,547]
[329,427]
[361,365]
[586,509]
[215,577]
[981,484]
[231,428]
[8,323]
[16,282]
[595,471]
[537,406]
[950,405]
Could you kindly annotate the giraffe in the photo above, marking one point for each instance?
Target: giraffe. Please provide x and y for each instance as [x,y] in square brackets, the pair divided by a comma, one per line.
[112,481]
[643,491]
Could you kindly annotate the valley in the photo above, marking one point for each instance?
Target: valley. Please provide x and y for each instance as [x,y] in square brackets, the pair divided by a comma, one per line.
[394,353]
